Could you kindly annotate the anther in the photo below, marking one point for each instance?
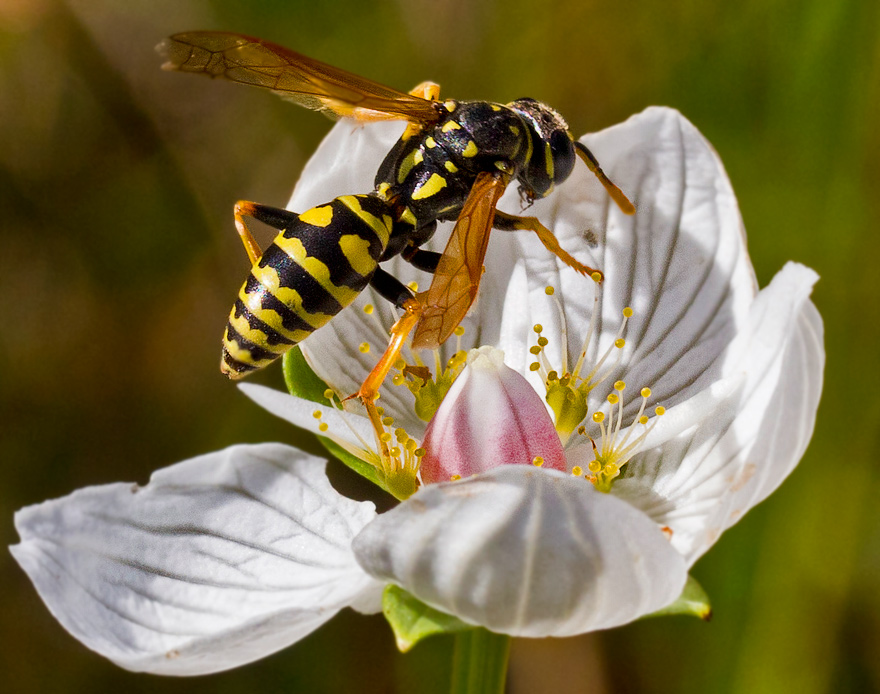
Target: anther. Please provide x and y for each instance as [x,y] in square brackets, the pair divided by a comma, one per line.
[627,312]
[549,291]
[619,386]
[368,309]
[577,471]
[364,347]
[317,414]
[538,461]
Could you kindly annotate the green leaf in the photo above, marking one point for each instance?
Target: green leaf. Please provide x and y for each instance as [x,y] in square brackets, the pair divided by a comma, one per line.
[304,383]
[412,620]
[299,378]
[692,601]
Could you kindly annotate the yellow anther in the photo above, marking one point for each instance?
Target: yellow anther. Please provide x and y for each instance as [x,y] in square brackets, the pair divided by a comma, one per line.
[317,414]
[598,417]
[400,431]
[385,437]
[534,349]
[364,347]
[613,399]
[538,328]
[627,312]
[543,341]
[646,392]
[387,421]
[619,386]
[368,309]
[414,286]
[323,426]
[577,471]
[552,376]
[455,478]
[411,445]
[611,470]
[398,379]
[643,419]
[459,331]
[538,461]
[329,394]
[582,430]
[660,410]
[594,466]
[596,277]
[549,291]
[619,343]
[534,366]
[419,452]
[394,452]
[380,410]
[400,364]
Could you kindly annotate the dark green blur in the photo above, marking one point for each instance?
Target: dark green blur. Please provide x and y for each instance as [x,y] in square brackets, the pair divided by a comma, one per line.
[119,260]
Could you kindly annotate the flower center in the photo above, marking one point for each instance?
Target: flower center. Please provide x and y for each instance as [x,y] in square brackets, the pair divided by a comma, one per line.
[567,396]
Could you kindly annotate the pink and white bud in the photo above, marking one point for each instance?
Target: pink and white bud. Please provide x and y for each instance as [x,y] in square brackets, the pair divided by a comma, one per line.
[490,417]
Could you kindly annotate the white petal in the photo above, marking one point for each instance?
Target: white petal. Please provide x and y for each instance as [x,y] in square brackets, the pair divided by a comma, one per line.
[680,262]
[702,481]
[348,428]
[525,551]
[218,561]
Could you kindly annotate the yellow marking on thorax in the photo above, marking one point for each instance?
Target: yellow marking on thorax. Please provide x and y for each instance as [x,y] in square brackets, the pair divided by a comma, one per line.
[418,157]
[382,190]
[430,142]
[514,129]
[450,105]
[316,268]
[430,187]
[357,252]
[318,216]
[408,216]
[495,107]
[548,160]
[450,125]
[382,228]
[450,167]
[406,165]
[470,150]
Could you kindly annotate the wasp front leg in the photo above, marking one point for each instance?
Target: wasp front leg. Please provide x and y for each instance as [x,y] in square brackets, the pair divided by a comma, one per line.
[509,222]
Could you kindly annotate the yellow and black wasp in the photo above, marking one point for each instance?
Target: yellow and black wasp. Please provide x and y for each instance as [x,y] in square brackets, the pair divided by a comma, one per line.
[453,162]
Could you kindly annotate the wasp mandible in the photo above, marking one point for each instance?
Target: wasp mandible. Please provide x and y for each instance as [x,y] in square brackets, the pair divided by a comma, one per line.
[453,162]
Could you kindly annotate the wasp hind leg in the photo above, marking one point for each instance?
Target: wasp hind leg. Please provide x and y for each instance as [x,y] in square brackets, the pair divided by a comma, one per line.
[272,216]
[509,222]
[397,293]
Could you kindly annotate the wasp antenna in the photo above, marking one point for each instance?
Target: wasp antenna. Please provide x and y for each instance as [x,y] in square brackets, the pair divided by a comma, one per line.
[616,193]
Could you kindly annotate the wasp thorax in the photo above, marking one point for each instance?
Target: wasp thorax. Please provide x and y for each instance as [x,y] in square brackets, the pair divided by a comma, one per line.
[552,155]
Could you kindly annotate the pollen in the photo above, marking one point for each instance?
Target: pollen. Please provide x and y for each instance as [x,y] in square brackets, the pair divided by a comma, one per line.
[538,461]
[364,347]
[368,309]
[614,448]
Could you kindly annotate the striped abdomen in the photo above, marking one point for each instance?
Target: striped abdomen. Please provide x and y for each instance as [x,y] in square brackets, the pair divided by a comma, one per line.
[312,270]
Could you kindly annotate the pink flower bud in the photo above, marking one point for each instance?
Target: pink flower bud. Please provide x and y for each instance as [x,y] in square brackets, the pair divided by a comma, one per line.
[490,417]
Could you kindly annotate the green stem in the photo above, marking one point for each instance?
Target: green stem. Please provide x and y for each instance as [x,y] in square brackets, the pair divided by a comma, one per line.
[479,664]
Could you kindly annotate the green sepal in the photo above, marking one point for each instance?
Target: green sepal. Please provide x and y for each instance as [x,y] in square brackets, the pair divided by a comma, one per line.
[412,620]
[304,383]
[692,601]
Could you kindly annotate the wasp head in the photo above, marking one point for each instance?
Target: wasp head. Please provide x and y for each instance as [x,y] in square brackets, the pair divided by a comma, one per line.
[552,152]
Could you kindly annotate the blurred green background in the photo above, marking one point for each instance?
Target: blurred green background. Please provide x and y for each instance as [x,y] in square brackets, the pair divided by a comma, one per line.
[118,260]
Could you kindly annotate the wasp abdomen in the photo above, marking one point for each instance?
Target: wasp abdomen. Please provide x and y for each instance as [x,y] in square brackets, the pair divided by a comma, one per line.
[311,271]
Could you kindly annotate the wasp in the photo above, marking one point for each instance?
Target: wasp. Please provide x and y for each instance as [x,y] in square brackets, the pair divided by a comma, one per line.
[452,163]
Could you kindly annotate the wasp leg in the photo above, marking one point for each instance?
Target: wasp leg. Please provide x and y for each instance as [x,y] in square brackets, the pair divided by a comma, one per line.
[272,216]
[395,291]
[422,260]
[426,90]
[509,222]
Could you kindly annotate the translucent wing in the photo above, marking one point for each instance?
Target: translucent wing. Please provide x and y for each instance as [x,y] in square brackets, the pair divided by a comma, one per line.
[295,77]
[458,274]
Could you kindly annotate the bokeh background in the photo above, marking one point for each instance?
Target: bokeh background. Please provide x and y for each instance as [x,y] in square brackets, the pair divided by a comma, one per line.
[118,261]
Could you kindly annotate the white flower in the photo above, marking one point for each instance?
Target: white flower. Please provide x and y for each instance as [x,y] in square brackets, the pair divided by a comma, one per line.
[226,558]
